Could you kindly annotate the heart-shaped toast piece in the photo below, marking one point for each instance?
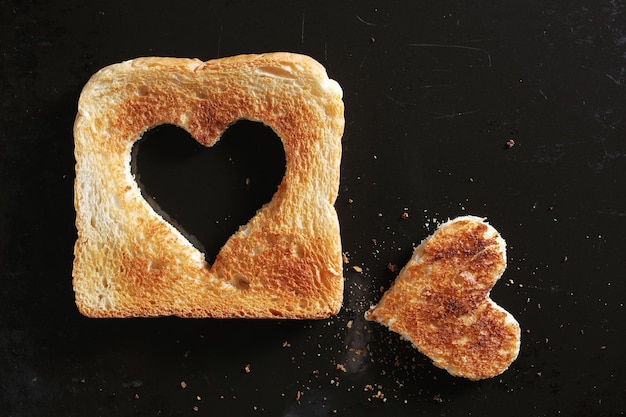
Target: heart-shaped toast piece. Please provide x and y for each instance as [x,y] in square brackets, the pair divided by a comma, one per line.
[440,301]
[284,263]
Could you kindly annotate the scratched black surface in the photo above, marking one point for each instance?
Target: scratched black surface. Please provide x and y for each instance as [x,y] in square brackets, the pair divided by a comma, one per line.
[433,91]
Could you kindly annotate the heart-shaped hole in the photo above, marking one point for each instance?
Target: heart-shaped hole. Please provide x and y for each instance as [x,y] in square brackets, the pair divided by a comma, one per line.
[207,193]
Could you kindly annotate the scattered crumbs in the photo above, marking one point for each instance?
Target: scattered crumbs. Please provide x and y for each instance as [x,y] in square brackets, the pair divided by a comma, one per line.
[341,367]
[195,408]
[82,380]
[564,259]
[404,215]
[392,267]
[381,289]
[471,179]
[136,396]
[349,324]
[286,344]
[438,398]
[357,268]
[344,255]
[379,396]
[198,398]
[247,368]
[602,347]
[380,214]
[356,351]
[510,143]
[316,372]
[183,384]
[539,374]
[254,407]
[374,241]
[372,39]
[221,397]
[539,306]
[247,181]
[350,201]
[299,395]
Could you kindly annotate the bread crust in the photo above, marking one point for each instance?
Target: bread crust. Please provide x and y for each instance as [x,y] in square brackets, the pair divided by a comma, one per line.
[285,263]
[440,301]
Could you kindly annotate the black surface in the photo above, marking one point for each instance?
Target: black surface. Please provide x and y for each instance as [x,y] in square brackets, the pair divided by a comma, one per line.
[433,91]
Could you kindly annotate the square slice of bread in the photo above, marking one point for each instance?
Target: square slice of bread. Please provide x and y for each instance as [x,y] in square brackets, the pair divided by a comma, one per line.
[285,263]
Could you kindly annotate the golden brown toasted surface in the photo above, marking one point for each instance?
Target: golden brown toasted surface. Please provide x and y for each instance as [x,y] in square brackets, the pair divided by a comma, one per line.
[286,262]
[440,301]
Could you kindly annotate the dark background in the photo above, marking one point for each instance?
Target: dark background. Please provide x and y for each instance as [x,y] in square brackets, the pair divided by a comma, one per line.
[433,91]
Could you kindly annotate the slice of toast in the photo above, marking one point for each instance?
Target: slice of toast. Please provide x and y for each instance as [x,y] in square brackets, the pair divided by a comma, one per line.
[440,301]
[285,263]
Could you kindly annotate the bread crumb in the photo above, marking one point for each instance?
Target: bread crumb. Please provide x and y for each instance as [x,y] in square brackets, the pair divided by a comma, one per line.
[195,408]
[183,384]
[349,324]
[247,368]
[341,367]
[392,267]
[510,143]
[379,395]
[136,396]
[357,268]
[404,215]
[286,344]
[350,201]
